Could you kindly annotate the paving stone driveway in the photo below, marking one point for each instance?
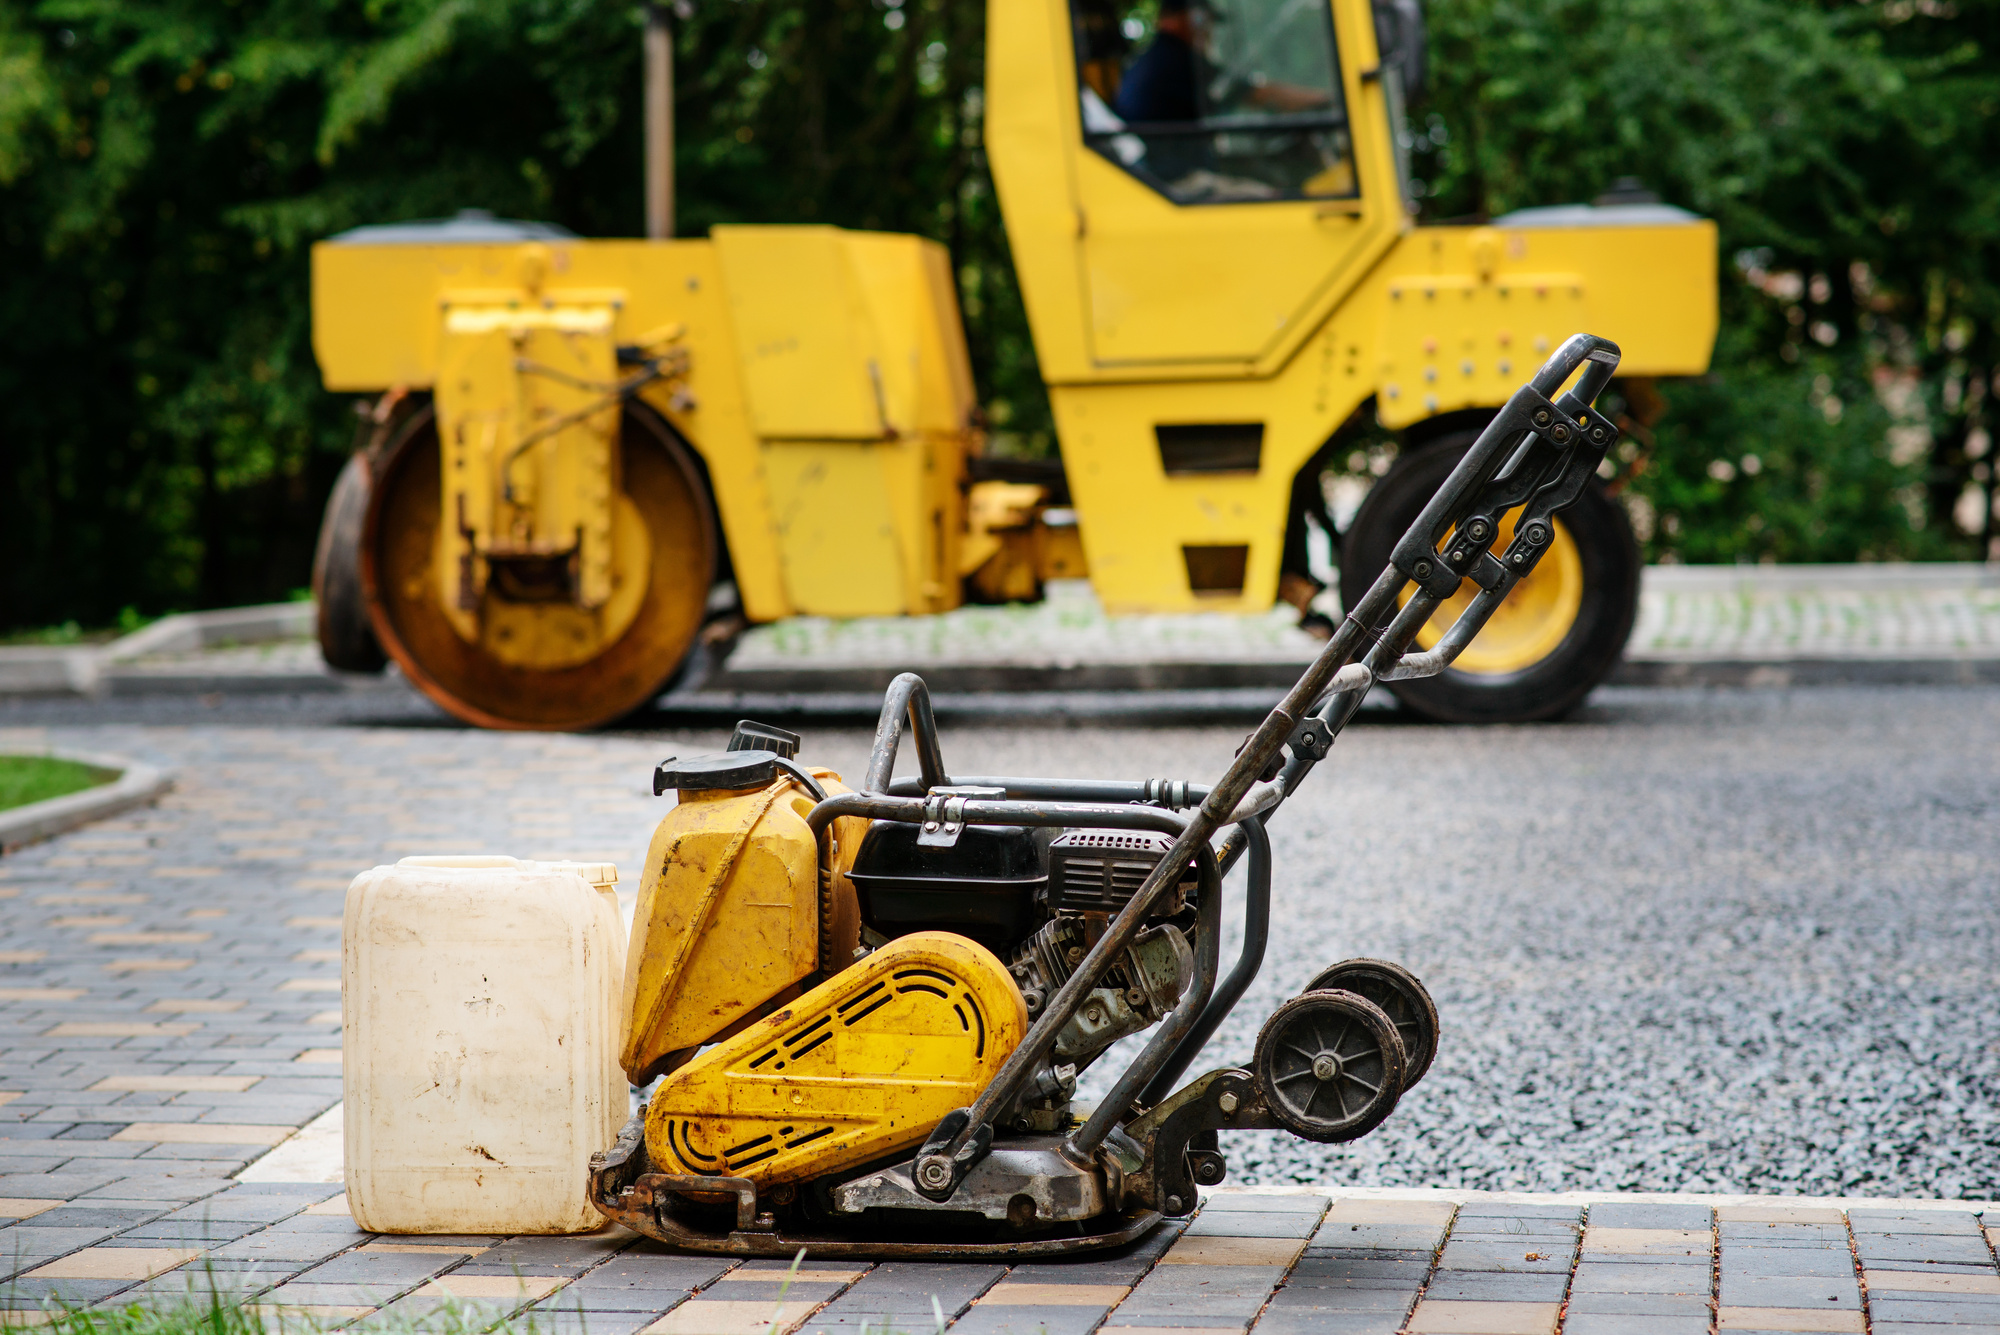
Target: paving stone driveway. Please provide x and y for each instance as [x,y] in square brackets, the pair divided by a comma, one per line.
[168,1011]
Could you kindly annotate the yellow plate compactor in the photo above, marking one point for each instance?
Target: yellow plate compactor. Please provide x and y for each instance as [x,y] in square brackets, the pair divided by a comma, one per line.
[866,1010]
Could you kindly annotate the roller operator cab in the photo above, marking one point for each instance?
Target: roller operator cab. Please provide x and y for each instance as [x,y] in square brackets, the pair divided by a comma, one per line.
[1209,211]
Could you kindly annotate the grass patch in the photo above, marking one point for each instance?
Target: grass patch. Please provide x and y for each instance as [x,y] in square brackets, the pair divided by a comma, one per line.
[25,779]
[214,1304]
[73,633]
[218,1313]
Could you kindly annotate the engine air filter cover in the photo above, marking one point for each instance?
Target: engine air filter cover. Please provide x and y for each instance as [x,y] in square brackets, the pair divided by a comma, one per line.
[1097,871]
[984,887]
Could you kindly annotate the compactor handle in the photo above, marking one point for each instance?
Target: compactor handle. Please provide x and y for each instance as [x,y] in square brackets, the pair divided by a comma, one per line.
[907,697]
[1528,413]
[1601,353]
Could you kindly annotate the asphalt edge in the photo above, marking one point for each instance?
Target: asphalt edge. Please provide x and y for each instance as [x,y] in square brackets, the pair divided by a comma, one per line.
[1278,676]
[137,784]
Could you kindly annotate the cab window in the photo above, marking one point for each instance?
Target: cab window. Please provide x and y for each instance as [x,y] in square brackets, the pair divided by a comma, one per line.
[1216,101]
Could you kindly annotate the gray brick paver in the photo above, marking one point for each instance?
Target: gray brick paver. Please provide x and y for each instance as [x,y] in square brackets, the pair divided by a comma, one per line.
[243,792]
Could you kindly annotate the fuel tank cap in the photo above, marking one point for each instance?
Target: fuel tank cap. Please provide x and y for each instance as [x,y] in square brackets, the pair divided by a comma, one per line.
[735,770]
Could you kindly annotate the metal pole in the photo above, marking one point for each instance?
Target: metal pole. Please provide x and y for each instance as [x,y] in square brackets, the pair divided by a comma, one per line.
[659,123]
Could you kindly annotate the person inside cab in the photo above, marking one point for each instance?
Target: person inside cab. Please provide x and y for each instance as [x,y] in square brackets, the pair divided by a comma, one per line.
[1172,79]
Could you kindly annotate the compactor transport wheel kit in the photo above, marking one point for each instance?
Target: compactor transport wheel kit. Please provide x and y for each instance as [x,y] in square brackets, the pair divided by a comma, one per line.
[1400,996]
[867,1008]
[1330,1066]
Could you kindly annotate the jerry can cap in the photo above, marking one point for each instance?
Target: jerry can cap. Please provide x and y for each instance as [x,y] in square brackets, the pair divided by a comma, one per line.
[735,770]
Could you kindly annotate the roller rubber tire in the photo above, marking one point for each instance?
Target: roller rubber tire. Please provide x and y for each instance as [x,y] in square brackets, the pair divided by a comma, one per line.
[346,639]
[1557,683]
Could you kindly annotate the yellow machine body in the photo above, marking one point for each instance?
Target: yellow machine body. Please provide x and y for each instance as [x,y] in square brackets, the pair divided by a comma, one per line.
[821,376]
[1284,315]
[862,1066]
[729,918]
[531,485]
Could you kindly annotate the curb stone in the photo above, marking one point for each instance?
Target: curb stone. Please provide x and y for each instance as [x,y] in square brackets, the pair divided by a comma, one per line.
[101,669]
[136,785]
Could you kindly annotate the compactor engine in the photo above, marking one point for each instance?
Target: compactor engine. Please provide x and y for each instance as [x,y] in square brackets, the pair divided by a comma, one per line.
[927,952]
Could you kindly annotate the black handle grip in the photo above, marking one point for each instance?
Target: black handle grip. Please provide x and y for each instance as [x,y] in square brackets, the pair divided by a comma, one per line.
[1598,357]
[1601,353]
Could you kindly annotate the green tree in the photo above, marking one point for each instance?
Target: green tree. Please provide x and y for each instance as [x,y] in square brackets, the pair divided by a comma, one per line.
[1846,152]
[165,167]
[166,164]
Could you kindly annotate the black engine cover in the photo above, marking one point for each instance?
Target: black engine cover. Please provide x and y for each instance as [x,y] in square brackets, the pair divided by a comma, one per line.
[987,886]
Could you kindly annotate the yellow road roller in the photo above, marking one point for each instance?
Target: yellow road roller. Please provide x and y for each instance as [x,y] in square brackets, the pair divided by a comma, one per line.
[861,1013]
[578,449]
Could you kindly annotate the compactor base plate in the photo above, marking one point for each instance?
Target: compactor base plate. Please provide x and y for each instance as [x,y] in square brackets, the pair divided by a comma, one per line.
[651,1207]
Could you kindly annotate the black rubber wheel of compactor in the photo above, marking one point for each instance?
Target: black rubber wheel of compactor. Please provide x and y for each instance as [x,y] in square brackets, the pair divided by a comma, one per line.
[1330,1066]
[1402,997]
[346,639]
[1542,688]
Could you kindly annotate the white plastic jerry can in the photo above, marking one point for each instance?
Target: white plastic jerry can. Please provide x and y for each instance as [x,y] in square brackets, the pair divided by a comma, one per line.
[479,1000]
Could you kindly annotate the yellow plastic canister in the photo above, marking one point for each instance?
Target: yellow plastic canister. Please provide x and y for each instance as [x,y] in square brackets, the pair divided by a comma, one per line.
[479,1000]
[728,920]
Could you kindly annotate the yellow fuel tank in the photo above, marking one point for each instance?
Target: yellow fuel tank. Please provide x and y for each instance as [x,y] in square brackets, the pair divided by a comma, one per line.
[862,1066]
[729,919]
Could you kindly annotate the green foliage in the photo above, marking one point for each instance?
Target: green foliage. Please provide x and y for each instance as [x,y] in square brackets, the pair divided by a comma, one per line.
[165,167]
[166,164]
[1813,476]
[1847,153]
[212,1306]
[25,779]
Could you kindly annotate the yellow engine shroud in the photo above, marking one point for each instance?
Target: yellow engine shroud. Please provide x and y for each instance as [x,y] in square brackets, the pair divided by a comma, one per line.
[861,1066]
[728,921]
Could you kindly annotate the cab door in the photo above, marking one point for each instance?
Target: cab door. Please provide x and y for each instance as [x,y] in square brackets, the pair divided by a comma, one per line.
[1238,174]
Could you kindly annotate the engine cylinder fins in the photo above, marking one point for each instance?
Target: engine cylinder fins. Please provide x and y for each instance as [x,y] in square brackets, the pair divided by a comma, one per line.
[861,1067]
[1098,871]
[1330,1066]
[1401,996]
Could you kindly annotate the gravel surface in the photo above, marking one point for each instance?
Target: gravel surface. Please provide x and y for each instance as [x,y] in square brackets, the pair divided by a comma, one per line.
[1718,941]
[1686,942]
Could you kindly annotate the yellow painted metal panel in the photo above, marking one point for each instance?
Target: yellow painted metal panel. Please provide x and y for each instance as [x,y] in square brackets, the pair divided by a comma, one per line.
[1452,341]
[1649,288]
[862,1066]
[811,362]
[1135,518]
[945,340]
[837,529]
[1031,125]
[376,326]
[1278,313]
[1119,281]
[1216,283]
[793,333]
[1500,298]
[906,289]
[512,372]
